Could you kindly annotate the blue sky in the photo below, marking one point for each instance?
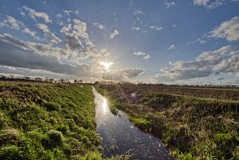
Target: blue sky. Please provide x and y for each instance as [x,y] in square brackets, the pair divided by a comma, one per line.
[164,41]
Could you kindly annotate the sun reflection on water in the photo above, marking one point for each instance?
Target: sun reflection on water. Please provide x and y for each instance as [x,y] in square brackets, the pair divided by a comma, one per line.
[104,105]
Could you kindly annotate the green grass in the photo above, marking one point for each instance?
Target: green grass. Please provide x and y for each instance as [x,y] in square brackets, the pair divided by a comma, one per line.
[47,121]
[191,127]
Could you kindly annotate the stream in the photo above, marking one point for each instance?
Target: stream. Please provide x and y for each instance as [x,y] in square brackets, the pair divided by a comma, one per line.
[120,136]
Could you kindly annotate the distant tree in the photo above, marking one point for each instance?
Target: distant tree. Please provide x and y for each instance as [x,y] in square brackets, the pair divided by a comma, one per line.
[27,78]
[38,79]
[11,77]
[51,80]
[96,83]
[3,77]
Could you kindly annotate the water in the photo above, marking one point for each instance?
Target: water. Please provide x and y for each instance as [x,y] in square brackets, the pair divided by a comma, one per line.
[120,136]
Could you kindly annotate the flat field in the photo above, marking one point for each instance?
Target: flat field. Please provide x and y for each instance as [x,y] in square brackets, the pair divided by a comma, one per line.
[193,122]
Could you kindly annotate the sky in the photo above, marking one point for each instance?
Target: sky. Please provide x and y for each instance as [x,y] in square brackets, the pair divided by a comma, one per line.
[156,41]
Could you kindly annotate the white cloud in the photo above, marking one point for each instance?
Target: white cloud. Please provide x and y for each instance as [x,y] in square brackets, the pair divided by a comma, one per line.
[80,28]
[202,41]
[69,12]
[17,25]
[113,34]
[33,14]
[47,33]
[28,31]
[138,12]
[171,47]
[77,41]
[45,57]
[59,15]
[12,22]
[139,53]
[169,3]
[222,60]
[2,24]
[228,30]
[211,4]
[135,28]
[146,57]
[156,28]
[125,74]
[104,52]
[100,26]
[66,29]
[201,2]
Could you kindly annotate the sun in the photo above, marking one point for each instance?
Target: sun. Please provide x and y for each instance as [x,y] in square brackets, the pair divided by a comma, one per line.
[106,65]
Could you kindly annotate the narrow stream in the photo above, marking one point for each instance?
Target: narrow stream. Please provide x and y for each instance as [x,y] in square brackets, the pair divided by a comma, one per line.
[120,136]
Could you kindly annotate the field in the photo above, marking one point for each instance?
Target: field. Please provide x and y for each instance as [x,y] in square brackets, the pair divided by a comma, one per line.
[47,121]
[193,122]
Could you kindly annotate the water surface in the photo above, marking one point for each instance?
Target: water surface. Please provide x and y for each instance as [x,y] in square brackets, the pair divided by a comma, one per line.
[120,136]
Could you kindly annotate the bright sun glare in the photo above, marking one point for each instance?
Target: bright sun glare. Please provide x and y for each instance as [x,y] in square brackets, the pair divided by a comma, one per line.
[106,65]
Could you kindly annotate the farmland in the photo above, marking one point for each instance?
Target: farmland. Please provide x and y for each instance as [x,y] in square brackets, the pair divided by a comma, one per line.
[194,122]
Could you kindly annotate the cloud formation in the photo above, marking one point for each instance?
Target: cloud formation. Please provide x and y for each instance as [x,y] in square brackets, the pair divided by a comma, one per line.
[211,4]
[169,3]
[34,14]
[222,60]
[138,12]
[47,33]
[156,28]
[171,47]
[228,30]
[125,74]
[17,25]
[135,28]
[145,55]
[113,34]
[14,24]
[31,55]
[100,26]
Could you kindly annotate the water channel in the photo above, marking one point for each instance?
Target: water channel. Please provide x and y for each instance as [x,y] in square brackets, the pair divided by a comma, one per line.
[120,136]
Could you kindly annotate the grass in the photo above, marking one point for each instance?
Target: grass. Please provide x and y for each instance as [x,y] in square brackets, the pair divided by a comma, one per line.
[191,127]
[47,121]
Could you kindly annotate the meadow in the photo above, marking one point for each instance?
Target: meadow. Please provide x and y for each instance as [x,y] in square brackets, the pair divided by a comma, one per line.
[193,122]
[47,121]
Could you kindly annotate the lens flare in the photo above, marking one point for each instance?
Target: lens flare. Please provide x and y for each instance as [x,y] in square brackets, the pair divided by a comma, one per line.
[106,65]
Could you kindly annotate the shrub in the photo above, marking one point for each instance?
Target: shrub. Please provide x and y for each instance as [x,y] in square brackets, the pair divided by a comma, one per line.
[10,153]
[64,128]
[9,136]
[50,106]
[55,138]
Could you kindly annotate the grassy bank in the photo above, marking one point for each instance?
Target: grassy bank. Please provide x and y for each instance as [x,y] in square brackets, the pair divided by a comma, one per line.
[191,127]
[47,121]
